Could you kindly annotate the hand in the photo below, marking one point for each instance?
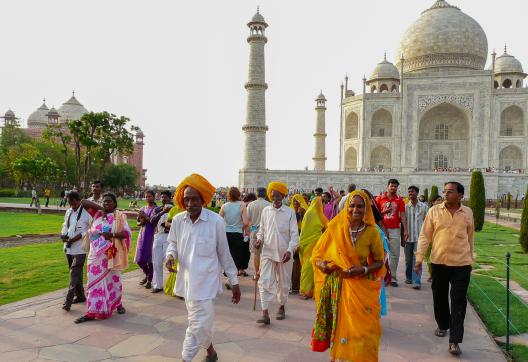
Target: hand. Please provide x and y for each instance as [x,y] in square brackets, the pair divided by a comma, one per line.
[236,294]
[107,235]
[352,272]
[418,268]
[286,257]
[403,243]
[167,208]
[323,266]
[258,244]
[169,264]
[406,235]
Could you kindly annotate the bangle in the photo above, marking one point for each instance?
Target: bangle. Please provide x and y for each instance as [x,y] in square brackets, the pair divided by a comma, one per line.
[113,235]
[366,270]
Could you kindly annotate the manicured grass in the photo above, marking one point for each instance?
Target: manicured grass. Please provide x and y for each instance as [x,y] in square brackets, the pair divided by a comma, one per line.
[520,353]
[19,223]
[30,270]
[54,202]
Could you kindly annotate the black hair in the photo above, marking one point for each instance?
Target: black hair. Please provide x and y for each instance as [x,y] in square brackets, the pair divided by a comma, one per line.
[415,188]
[97,182]
[74,195]
[459,186]
[328,194]
[150,192]
[166,192]
[261,192]
[393,181]
[436,197]
[319,190]
[112,196]
[351,188]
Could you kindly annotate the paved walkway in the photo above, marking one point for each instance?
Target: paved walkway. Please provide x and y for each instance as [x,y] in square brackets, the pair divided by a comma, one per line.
[153,329]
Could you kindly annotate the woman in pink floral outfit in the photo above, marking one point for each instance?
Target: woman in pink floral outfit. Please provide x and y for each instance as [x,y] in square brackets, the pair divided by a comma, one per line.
[109,237]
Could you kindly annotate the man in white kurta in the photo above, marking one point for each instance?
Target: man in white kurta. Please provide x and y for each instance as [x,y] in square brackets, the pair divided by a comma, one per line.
[197,239]
[278,236]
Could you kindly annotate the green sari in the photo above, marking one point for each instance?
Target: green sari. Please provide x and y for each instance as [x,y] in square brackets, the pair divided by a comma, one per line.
[311,230]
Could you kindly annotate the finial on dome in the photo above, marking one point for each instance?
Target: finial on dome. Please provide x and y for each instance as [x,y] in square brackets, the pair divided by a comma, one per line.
[385,56]
[505,48]
[44,100]
[258,9]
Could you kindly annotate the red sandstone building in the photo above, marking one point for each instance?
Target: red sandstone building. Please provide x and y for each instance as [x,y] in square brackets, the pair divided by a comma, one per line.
[70,110]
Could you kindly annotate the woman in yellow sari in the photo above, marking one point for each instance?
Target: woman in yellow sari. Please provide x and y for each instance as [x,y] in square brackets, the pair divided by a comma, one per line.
[312,228]
[348,265]
[299,206]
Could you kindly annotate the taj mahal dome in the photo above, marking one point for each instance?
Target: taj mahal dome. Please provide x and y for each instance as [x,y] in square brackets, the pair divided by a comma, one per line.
[433,115]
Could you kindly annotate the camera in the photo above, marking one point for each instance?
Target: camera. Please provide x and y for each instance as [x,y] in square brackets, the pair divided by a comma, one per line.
[66,239]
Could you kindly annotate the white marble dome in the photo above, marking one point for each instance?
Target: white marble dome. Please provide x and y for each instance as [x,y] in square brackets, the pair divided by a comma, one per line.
[507,63]
[72,109]
[385,70]
[39,118]
[443,38]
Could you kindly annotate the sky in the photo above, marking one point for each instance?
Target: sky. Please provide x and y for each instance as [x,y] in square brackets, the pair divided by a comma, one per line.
[177,68]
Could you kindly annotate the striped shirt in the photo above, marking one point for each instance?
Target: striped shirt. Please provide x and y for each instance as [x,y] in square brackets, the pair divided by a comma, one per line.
[415,217]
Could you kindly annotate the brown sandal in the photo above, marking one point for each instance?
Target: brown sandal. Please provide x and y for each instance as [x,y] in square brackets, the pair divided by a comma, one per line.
[454,349]
[440,332]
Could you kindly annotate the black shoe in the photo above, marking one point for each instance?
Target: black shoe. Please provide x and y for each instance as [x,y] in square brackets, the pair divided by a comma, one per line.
[394,284]
[121,310]
[66,307]
[156,290]
[212,358]
[148,285]
[79,300]
[264,320]
[143,281]
[83,319]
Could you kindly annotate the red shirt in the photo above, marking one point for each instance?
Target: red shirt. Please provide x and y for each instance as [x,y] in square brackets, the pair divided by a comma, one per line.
[390,209]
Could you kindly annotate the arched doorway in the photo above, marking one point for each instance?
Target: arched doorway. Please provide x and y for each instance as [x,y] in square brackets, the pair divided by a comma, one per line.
[351,159]
[512,122]
[351,126]
[381,124]
[443,138]
[510,158]
[380,158]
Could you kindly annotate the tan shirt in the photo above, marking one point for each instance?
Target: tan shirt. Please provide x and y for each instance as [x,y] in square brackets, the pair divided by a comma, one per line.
[451,236]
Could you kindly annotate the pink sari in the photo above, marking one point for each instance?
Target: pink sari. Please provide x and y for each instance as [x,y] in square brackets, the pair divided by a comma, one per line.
[104,287]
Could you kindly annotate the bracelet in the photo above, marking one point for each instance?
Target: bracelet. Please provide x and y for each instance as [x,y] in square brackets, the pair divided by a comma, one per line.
[366,270]
[113,235]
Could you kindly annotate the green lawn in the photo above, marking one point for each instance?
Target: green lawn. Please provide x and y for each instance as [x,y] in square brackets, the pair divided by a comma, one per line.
[19,223]
[54,202]
[486,292]
[30,270]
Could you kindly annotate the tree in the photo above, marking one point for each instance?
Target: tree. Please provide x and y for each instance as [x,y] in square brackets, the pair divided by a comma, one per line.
[434,193]
[477,199]
[523,237]
[508,201]
[426,195]
[58,131]
[120,177]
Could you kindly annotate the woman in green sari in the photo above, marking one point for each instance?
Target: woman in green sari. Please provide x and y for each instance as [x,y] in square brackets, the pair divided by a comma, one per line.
[313,225]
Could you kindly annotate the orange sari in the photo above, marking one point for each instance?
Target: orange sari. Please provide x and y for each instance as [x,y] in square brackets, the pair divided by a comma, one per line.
[356,331]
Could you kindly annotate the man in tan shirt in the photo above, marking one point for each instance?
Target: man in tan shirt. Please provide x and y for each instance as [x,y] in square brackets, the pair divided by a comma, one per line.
[449,228]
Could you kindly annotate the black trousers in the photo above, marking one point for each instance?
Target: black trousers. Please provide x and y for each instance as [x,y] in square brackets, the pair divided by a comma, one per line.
[239,250]
[453,319]
[75,289]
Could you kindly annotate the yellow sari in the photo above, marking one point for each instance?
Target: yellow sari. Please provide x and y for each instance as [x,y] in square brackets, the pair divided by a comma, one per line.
[171,281]
[311,230]
[353,303]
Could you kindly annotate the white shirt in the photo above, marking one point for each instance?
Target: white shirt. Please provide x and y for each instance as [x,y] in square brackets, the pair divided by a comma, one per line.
[161,235]
[203,253]
[98,201]
[33,193]
[278,231]
[76,228]
[254,210]
[415,218]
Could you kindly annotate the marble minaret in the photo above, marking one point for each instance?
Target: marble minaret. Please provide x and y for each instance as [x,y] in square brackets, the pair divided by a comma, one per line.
[255,128]
[320,134]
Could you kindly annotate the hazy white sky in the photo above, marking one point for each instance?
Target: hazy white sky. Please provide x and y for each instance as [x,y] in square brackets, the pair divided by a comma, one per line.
[177,68]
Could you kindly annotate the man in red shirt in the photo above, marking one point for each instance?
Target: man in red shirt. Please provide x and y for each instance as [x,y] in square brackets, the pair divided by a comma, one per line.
[392,209]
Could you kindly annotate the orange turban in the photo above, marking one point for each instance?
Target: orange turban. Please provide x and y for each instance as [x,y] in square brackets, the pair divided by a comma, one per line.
[279,187]
[197,182]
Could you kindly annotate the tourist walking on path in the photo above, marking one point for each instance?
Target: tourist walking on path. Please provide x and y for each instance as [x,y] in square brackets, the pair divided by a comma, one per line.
[97,191]
[392,209]
[159,246]
[75,226]
[351,188]
[449,228]
[299,207]
[254,211]
[278,236]
[197,238]
[236,221]
[47,194]
[143,256]
[415,212]
[313,226]
[348,268]
[109,241]
[34,197]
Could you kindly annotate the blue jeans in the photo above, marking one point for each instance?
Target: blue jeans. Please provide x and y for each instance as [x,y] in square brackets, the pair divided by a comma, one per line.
[410,260]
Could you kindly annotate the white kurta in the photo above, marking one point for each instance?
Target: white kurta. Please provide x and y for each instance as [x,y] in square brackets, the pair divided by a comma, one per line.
[159,250]
[279,232]
[203,253]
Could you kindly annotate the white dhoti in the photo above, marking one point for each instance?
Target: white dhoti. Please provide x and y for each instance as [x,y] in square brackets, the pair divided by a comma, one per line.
[199,333]
[274,281]
[159,249]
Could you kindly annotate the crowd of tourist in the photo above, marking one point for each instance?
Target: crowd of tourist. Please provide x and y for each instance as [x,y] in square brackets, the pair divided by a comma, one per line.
[339,249]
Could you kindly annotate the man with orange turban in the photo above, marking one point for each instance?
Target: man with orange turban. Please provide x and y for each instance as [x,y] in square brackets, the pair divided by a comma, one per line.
[197,238]
[278,236]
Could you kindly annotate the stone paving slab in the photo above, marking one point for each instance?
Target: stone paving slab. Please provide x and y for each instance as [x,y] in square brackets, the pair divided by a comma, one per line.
[153,329]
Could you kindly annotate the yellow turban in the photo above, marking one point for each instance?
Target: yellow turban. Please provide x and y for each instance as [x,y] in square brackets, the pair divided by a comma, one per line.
[279,187]
[197,182]
[300,200]
[368,217]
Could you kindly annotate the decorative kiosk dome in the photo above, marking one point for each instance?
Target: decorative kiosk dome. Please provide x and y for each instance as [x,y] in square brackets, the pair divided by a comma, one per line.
[384,78]
[444,38]
[509,72]
[72,109]
[39,118]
